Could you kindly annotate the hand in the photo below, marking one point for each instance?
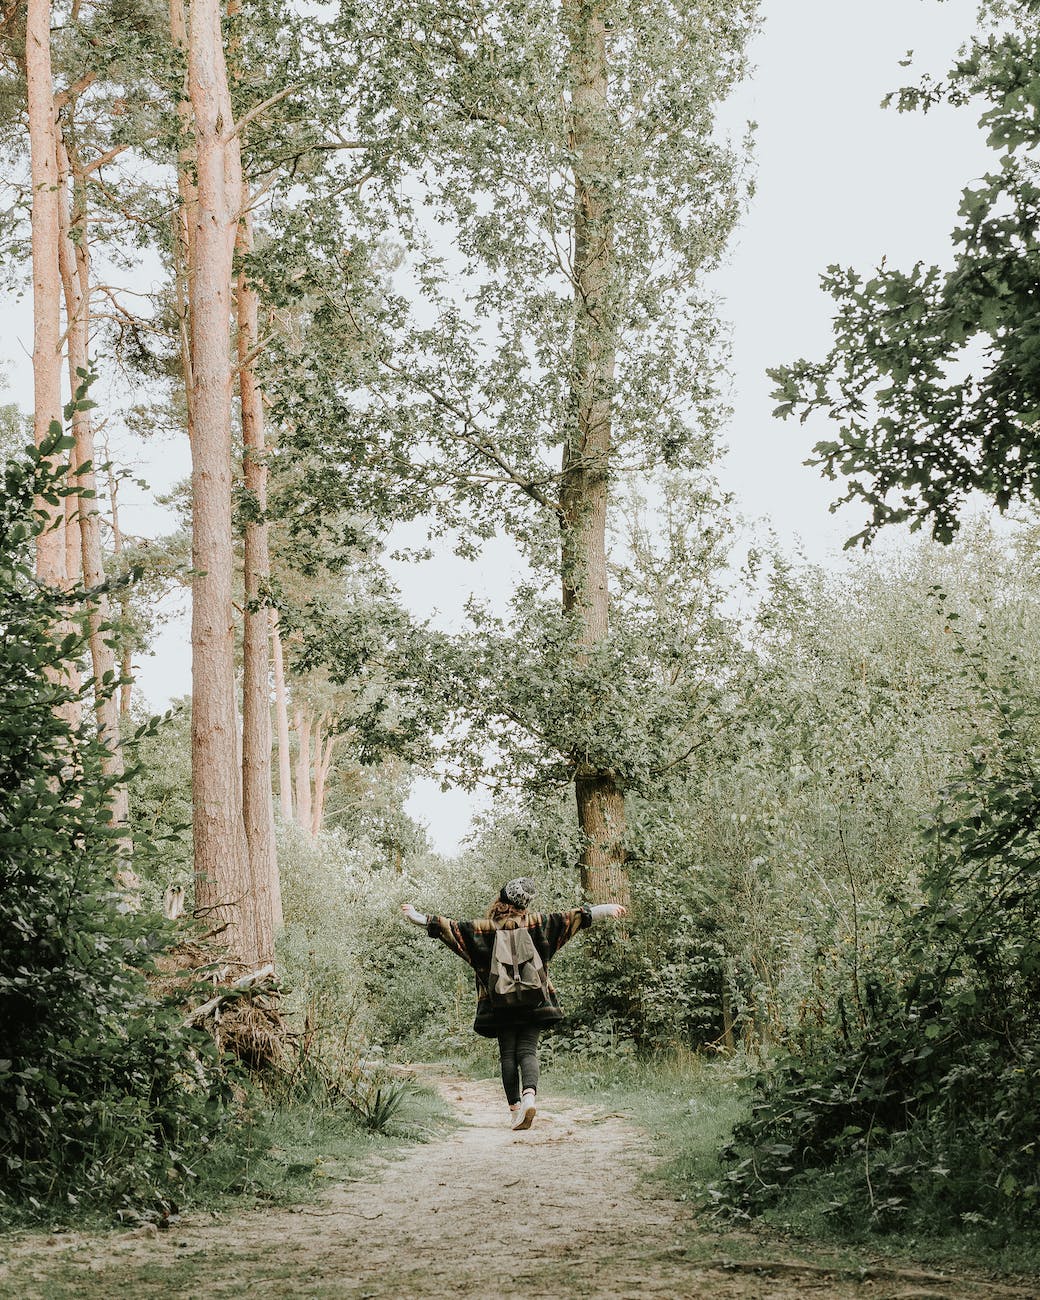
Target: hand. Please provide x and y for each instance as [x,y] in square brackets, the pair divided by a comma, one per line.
[619,910]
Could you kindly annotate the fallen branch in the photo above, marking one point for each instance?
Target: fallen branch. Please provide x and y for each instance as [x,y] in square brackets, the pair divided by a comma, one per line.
[253,977]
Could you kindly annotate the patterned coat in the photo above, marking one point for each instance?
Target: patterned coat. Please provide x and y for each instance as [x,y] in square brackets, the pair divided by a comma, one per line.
[474,941]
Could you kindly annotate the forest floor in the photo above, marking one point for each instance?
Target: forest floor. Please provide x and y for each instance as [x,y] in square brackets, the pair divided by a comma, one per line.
[562,1212]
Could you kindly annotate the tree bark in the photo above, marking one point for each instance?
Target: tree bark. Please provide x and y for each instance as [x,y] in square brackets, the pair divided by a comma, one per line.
[73,552]
[303,769]
[221,858]
[257,809]
[74,264]
[587,443]
[184,213]
[46,234]
[281,712]
[728,1040]
[323,759]
[125,658]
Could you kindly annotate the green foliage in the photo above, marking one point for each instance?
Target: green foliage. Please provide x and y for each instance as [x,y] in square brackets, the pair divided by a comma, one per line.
[160,804]
[105,1100]
[441,372]
[440,368]
[934,376]
[355,975]
[917,1101]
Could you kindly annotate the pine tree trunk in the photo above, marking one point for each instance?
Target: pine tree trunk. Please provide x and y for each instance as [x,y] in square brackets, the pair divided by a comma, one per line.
[125,658]
[281,713]
[46,234]
[73,552]
[221,859]
[184,213]
[257,809]
[303,769]
[323,756]
[74,263]
[587,443]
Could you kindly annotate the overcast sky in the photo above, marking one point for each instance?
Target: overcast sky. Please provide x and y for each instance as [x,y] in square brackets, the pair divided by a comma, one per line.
[838,180]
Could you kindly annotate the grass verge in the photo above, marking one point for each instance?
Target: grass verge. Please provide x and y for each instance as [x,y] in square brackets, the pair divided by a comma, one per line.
[285,1155]
[690,1104]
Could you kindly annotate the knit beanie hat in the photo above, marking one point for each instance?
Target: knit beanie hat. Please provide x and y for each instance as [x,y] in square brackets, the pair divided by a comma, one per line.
[519,892]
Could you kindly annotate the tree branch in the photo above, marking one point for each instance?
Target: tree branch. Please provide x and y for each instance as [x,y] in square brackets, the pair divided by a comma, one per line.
[256,111]
[104,158]
[72,92]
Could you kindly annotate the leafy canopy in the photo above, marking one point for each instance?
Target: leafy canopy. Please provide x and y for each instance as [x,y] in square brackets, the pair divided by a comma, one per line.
[934,375]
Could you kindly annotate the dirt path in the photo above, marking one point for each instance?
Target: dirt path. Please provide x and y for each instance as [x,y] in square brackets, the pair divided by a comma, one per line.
[558,1213]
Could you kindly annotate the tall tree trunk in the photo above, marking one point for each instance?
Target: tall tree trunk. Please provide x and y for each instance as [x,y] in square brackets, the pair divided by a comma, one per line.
[257,809]
[221,858]
[46,234]
[323,761]
[587,443]
[303,769]
[73,551]
[74,263]
[281,713]
[184,213]
[125,657]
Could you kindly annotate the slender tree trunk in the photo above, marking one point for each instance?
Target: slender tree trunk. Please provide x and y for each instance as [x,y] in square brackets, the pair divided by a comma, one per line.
[46,234]
[281,713]
[221,858]
[728,1040]
[587,444]
[73,553]
[303,769]
[125,658]
[184,214]
[257,809]
[74,263]
[323,758]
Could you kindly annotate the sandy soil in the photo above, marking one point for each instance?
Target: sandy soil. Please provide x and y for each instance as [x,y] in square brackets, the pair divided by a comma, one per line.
[561,1212]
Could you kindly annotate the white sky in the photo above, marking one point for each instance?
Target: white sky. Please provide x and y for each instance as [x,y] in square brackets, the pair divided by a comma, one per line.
[838,180]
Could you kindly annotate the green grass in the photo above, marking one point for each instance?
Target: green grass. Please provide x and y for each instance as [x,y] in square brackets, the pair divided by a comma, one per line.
[273,1155]
[278,1156]
[804,1213]
[690,1104]
[287,1153]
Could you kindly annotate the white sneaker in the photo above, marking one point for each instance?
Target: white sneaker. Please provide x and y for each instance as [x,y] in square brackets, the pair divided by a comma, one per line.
[525,1112]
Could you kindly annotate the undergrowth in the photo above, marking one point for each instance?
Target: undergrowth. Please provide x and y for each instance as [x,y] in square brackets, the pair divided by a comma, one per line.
[289,1151]
[691,1104]
[277,1152]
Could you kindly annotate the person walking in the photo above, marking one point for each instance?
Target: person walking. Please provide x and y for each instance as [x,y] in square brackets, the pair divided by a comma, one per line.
[509,951]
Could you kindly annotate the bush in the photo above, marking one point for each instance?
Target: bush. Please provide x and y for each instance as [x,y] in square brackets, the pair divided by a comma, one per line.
[917,1104]
[104,1098]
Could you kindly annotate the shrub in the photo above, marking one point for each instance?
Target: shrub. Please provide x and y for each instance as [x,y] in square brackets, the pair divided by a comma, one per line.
[104,1098]
[917,1102]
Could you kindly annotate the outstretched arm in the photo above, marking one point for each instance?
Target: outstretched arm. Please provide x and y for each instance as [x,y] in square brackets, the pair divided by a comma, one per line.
[449,932]
[560,927]
[601,910]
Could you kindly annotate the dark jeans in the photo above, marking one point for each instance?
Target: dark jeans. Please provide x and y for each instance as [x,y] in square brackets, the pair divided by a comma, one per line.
[518,1050]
